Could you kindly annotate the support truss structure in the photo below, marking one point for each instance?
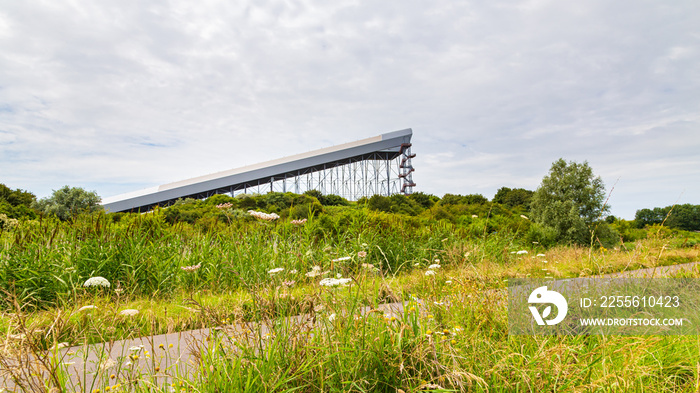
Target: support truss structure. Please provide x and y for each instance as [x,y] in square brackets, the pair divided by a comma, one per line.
[374,166]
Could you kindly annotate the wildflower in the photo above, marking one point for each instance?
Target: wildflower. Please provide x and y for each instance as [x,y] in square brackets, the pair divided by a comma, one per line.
[293,271]
[430,273]
[334,282]
[448,282]
[416,264]
[263,216]
[331,317]
[315,271]
[129,312]
[96,282]
[136,348]
[191,268]
[107,364]
[276,270]
[437,261]
[288,283]
[341,259]
[475,216]
[521,252]
[362,254]
[434,266]
[83,308]
[541,255]
[299,222]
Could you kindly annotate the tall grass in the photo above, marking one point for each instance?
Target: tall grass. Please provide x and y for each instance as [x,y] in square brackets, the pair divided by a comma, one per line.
[454,339]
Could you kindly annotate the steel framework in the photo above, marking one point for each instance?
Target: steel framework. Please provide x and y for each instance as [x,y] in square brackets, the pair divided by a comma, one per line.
[379,165]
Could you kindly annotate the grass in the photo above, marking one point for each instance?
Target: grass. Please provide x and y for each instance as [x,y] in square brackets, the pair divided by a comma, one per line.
[454,339]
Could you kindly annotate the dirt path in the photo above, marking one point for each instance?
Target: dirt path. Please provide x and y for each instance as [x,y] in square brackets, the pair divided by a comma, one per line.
[157,359]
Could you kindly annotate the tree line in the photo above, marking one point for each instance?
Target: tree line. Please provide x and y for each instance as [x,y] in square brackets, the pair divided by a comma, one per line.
[567,208]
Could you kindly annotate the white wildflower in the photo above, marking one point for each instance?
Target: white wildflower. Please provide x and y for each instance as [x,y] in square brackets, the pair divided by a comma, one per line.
[541,255]
[107,364]
[334,282]
[341,259]
[521,252]
[430,273]
[96,282]
[263,216]
[434,266]
[315,271]
[362,254]
[136,348]
[276,270]
[129,312]
[293,271]
[331,317]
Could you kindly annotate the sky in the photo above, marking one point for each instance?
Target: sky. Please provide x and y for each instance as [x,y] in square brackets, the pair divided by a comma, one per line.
[119,96]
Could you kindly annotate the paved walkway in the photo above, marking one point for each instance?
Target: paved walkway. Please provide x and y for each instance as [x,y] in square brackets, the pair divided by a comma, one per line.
[168,358]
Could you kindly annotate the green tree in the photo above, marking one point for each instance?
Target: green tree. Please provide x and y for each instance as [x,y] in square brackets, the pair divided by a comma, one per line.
[686,217]
[569,200]
[514,197]
[68,202]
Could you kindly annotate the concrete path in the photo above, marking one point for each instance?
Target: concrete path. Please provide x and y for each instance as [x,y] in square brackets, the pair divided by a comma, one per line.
[169,358]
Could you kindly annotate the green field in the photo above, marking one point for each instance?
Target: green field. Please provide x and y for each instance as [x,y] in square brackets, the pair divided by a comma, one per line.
[221,266]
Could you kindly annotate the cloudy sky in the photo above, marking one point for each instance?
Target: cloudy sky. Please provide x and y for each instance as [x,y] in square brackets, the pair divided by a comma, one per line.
[119,96]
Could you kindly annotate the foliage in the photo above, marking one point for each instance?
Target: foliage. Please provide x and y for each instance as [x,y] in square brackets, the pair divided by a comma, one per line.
[67,202]
[327,200]
[686,217]
[569,200]
[426,201]
[456,199]
[514,197]
[17,203]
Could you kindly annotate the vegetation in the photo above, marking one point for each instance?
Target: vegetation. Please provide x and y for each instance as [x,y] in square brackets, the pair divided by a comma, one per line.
[569,203]
[686,217]
[67,202]
[245,264]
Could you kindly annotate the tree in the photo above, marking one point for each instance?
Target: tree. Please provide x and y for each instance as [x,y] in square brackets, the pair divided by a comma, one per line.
[68,202]
[513,197]
[569,200]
